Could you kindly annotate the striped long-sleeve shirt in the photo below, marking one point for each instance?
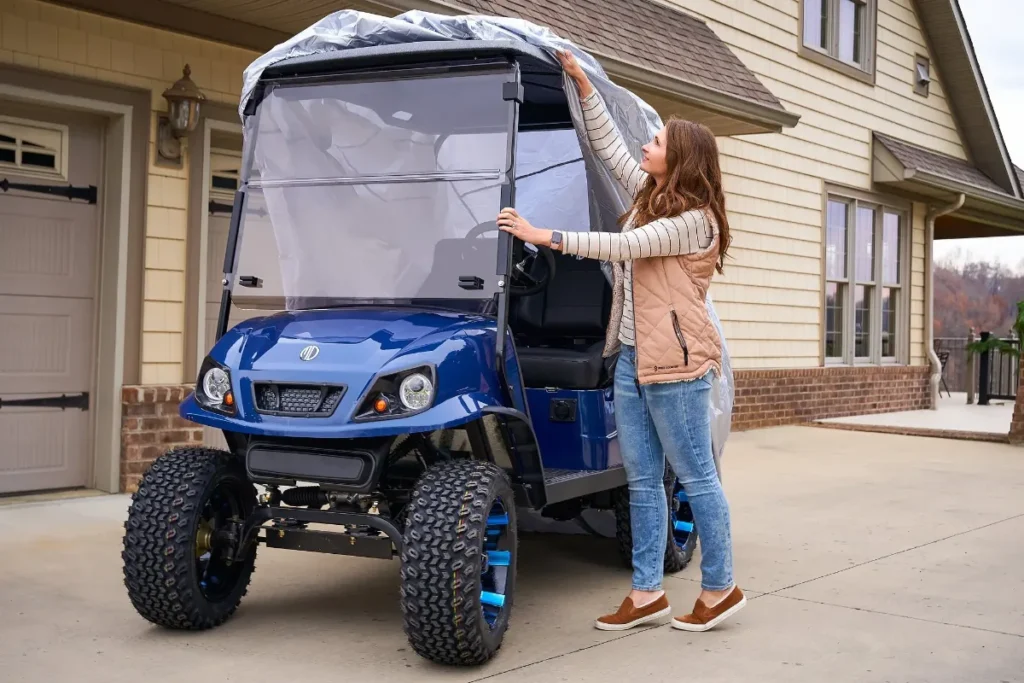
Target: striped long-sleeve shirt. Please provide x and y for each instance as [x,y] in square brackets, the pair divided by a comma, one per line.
[688,233]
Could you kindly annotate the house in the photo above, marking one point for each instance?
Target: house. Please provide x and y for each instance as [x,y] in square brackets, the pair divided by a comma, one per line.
[853,134]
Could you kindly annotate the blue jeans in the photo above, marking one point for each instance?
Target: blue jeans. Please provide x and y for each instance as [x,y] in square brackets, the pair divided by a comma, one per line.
[670,419]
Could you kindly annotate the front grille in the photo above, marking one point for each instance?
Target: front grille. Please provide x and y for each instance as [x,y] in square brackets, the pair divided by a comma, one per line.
[308,400]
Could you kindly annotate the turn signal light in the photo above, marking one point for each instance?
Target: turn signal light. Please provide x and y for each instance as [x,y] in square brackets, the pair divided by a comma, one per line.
[229,399]
[381,405]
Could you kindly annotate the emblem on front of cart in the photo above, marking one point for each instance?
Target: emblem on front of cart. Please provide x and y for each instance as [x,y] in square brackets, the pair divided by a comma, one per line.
[309,353]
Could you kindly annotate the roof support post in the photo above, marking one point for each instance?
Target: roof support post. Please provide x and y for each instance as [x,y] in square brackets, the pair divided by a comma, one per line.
[929,320]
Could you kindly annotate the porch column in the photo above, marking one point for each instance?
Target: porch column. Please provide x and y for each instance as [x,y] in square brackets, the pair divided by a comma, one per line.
[1017,423]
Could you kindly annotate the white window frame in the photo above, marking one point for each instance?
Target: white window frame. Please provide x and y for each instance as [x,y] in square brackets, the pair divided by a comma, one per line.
[829,56]
[853,200]
[18,129]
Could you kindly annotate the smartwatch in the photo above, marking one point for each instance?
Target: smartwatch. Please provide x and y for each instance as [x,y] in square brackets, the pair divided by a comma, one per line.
[556,240]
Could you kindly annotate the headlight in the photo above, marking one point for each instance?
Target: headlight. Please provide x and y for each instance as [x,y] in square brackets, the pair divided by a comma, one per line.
[399,394]
[214,388]
[416,392]
[216,385]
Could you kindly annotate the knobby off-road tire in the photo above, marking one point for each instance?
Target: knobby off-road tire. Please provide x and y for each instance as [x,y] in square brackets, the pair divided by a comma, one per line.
[443,556]
[677,555]
[161,555]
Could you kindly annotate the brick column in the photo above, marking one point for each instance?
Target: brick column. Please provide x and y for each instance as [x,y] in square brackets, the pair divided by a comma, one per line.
[1017,423]
[150,426]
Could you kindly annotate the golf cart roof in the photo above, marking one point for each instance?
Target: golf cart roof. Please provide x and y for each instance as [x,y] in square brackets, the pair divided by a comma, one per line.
[532,59]
[541,76]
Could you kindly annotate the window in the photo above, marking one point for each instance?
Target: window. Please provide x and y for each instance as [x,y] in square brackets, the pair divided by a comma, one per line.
[865,304]
[922,75]
[841,35]
[34,149]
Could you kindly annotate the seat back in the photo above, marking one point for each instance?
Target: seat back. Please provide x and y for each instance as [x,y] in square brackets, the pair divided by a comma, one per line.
[575,305]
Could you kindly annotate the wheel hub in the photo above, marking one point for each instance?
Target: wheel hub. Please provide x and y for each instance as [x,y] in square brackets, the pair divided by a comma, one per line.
[494,564]
[217,541]
[680,516]
[204,538]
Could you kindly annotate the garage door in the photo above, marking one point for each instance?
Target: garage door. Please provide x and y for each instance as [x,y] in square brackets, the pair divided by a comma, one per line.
[48,280]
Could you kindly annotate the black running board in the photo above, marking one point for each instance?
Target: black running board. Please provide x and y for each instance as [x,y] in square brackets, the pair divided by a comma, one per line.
[563,485]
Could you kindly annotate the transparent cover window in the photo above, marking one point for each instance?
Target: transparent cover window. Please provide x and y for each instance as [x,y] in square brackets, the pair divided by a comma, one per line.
[373,190]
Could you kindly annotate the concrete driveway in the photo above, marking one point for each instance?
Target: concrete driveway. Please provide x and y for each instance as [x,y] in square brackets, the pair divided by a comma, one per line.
[869,557]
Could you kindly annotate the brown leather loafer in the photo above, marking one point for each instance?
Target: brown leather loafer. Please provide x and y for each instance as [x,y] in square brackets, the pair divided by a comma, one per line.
[704,618]
[629,616]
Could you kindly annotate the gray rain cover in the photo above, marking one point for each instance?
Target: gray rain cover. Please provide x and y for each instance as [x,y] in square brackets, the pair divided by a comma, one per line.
[636,120]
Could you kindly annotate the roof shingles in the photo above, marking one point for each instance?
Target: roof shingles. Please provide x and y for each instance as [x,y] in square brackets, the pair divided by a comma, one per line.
[694,52]
[921,159]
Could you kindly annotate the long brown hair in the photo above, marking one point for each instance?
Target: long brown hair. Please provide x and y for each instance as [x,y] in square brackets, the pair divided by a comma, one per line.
[693,181]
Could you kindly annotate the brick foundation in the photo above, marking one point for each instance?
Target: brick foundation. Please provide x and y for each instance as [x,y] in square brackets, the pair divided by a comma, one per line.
[770,398]
[150,426]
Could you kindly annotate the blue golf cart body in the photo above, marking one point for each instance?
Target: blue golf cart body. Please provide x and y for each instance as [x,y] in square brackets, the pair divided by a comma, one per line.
[387,362]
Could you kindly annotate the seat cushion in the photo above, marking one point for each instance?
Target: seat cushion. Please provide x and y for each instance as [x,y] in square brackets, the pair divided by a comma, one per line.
[562,368]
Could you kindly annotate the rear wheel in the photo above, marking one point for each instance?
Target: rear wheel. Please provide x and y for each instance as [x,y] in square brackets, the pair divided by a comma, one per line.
[180,539]
[680,533]
[459,562]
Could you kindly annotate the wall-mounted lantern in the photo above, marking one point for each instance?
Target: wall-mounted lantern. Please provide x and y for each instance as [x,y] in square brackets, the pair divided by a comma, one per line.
[183,101]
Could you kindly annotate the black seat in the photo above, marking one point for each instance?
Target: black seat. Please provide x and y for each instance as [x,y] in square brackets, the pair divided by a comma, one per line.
[562,368]
[560,331]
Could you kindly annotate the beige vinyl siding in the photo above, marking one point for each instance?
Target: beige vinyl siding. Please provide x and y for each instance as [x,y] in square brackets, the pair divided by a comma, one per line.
[66,41]
[770,298]
[918,341]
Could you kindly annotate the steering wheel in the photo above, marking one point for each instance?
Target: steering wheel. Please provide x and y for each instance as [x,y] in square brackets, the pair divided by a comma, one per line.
[521,282]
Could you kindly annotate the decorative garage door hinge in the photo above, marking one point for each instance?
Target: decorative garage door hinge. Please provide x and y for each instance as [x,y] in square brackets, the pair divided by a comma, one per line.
[218,207]
[79,401]
[86,194]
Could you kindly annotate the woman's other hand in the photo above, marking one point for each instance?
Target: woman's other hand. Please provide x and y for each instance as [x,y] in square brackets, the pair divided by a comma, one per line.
[575,72]
[511,222]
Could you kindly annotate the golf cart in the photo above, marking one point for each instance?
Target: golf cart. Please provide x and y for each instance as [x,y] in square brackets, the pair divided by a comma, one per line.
[398,377]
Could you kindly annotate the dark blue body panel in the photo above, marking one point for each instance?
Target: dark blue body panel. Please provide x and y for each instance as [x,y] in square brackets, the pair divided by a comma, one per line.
[356,345]
[587,443]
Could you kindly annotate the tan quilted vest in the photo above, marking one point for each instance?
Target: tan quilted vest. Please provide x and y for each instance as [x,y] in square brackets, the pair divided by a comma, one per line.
[675,338]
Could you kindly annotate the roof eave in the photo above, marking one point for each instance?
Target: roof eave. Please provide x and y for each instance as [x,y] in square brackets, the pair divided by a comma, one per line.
[945,52]
[755,117]
[987,101]
[887,169]
[763,117]
[984,206]
[981,194]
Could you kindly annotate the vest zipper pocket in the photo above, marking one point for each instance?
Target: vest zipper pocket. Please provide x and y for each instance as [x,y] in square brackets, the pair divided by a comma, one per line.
[680,337]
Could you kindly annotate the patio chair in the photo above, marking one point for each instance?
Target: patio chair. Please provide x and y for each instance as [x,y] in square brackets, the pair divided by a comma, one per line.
[943,359]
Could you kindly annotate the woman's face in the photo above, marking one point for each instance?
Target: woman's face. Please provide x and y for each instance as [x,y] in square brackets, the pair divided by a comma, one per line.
[655,161]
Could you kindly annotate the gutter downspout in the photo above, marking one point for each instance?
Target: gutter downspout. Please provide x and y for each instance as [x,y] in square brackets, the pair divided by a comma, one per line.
[929,320]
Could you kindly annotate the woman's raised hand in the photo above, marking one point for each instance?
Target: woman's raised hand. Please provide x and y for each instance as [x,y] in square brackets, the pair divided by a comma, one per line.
[575,72]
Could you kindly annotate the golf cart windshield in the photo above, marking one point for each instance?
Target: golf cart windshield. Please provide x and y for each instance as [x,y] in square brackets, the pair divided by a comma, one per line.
[373,190]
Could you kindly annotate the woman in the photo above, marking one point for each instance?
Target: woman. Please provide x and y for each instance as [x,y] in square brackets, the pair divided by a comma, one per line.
[674,237]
